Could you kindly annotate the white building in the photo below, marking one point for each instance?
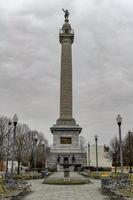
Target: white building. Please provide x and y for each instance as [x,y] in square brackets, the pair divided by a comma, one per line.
[15,166]
[103,161]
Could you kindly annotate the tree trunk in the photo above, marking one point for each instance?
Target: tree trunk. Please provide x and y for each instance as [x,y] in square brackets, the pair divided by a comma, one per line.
[18,172]
[115,164]
[115,168]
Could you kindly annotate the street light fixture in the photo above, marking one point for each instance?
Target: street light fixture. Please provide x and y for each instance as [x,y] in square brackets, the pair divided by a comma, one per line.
[130,159]
[43,145]
[35,139]
[119,122]
[96,139]
[8,135]
[15,121]
[89,154]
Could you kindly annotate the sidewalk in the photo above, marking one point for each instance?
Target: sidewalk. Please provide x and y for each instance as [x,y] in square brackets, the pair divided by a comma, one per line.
[65,192]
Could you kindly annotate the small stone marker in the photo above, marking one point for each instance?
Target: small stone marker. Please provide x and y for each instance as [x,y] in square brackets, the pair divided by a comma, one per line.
[66,175]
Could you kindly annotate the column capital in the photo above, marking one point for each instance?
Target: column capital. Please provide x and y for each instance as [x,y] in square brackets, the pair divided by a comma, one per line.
[66,37]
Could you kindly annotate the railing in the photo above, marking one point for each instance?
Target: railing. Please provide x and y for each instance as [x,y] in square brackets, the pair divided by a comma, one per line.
[69,31]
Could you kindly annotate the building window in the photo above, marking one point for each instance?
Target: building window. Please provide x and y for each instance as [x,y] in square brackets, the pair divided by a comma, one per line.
[65,140]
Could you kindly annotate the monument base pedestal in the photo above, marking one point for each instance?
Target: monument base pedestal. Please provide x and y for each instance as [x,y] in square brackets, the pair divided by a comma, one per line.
[65,121]
[66,149]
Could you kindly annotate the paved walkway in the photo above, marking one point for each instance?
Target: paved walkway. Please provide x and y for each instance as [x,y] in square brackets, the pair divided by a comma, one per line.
[65,192]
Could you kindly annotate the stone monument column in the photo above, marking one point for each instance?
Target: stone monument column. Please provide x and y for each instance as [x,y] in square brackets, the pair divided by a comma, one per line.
[66,132]
[66,37]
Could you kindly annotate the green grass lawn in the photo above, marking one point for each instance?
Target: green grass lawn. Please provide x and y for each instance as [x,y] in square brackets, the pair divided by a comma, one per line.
[66,182]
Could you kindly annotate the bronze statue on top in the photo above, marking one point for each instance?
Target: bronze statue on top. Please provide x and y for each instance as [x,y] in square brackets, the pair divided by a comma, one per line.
[66,14]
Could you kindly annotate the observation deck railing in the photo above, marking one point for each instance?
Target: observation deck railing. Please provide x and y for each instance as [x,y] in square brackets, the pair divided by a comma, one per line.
[69,31]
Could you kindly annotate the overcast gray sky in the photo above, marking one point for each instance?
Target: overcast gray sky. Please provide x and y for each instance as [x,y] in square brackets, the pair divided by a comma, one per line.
[102,63]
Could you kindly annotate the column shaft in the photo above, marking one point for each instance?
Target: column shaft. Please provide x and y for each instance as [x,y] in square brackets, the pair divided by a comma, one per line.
[66,80]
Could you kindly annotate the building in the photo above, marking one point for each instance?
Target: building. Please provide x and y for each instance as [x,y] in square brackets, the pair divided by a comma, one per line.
[3,166]
[103,161]
[66,150]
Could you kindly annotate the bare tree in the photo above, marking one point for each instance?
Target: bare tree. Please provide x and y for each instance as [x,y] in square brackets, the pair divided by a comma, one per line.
[21,143]
[3,136]
[29,157]
[114,152]
[128,150]
[41,150]
[24,146]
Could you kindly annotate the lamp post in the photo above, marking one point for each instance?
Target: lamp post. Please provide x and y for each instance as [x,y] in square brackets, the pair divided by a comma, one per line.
[15,120]
[119,122]
[89,155]
[130,160]
[35,143]
[43,146]
[8,135]
[96,139]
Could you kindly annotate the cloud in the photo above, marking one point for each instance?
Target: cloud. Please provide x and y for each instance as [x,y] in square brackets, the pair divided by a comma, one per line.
[102,63]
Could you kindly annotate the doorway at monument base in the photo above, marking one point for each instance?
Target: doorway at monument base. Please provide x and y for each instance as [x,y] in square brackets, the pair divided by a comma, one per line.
[58,159]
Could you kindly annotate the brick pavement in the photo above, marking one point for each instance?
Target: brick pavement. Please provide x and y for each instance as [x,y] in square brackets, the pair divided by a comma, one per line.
[65,192]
